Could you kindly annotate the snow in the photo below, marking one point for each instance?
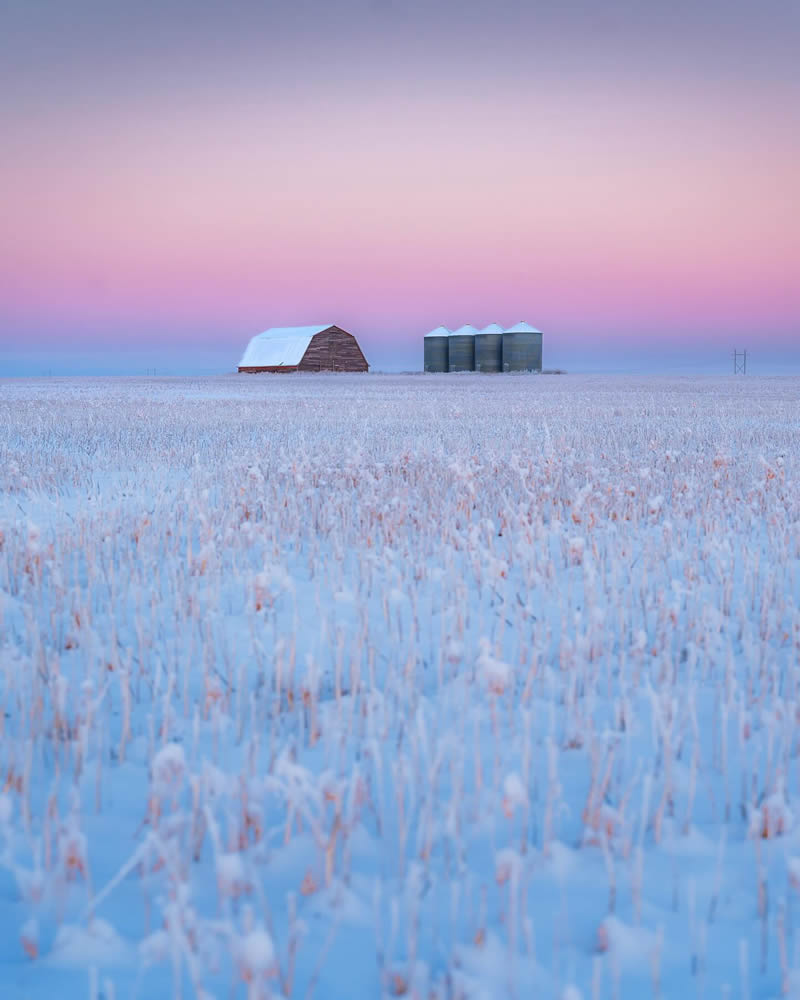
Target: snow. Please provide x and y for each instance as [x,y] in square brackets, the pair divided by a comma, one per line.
[279,346]
[6,810]
[443,331]
[522,328]
[514,793]
[448,688]
[168,768]
[497,674]
[231,876]
[95,944]
[257,953]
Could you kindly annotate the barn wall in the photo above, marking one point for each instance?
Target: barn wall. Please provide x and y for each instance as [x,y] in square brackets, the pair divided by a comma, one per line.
[333,350]
[248,370]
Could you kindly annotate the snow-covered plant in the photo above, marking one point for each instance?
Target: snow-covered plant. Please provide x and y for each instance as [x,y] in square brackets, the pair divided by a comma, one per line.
[443,669]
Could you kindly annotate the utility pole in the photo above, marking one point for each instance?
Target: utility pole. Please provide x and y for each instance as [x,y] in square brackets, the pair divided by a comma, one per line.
[740,362]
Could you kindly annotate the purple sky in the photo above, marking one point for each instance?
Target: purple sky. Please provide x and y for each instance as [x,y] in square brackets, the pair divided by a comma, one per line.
[177,176]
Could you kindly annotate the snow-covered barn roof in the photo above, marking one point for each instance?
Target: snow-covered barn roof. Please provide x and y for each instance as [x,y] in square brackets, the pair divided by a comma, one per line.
[522,328]
[440,331]
[492,328]
[280,346]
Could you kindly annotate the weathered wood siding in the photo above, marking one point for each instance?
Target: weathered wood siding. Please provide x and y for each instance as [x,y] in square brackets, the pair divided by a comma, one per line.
[333,350]
[248,370]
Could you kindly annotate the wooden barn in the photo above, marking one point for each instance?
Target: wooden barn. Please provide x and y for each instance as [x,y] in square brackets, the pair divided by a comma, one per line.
[303,349]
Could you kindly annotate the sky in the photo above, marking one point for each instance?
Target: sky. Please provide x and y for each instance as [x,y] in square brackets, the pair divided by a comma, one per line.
[177,176]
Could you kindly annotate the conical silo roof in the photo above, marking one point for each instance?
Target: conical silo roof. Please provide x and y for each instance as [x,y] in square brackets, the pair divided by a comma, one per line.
[522,328]
[492,328]
[464,331]
[440,331]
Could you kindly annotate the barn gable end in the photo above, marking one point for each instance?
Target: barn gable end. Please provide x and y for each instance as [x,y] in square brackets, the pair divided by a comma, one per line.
[334,350]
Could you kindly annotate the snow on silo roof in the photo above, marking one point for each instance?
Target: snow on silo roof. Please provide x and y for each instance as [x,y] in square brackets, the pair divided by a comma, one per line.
[440,331]
[492,328]
[522,328]
[464,331]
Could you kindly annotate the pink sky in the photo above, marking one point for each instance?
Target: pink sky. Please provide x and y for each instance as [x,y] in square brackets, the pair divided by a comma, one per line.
[650,210]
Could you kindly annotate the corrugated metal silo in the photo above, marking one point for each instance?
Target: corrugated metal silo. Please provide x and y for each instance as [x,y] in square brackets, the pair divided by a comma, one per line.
[522,348]
[461,349]
[436,350]
[489,349]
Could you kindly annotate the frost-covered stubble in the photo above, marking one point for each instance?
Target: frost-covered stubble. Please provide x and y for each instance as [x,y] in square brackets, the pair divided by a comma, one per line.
[447,687]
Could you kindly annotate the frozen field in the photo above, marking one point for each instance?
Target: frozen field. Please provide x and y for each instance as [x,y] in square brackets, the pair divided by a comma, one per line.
[366,686]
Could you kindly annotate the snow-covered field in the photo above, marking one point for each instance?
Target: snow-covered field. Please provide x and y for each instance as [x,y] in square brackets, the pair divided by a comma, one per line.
[360,686]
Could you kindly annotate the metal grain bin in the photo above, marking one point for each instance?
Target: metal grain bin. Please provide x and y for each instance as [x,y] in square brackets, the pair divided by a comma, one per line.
[489,349]
[436,350]
[522,348]
[461,349]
